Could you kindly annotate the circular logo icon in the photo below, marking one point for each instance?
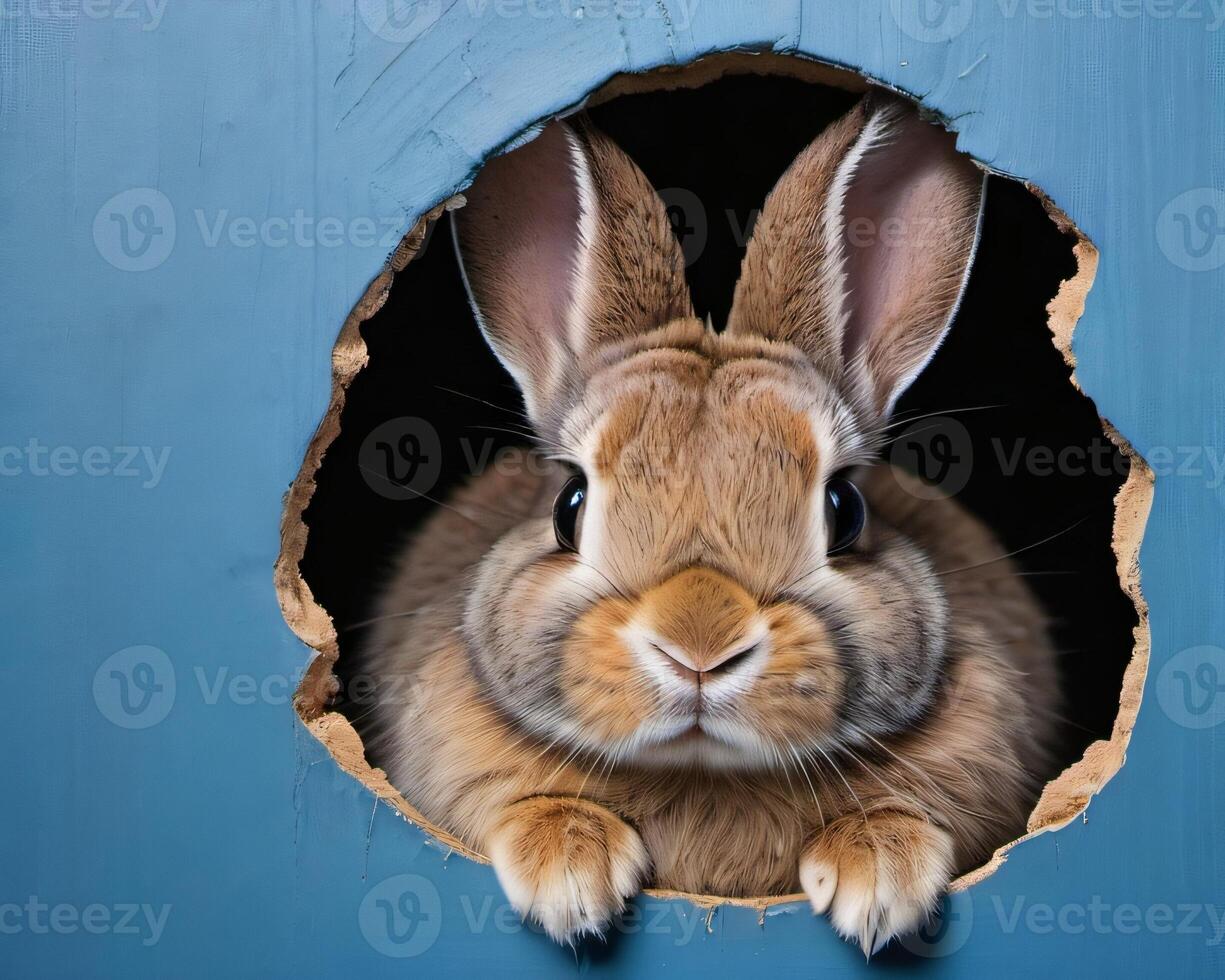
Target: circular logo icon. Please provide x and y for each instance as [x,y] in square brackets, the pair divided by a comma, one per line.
[134,687]
[399,21]
[946,931]
[401,916]
[134,230]
[1191,230]
[688,219]
[1191,687]
[939,451]
[401,459]
[932,21]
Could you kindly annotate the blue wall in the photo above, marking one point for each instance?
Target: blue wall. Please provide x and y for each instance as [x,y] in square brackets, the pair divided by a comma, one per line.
[218,835]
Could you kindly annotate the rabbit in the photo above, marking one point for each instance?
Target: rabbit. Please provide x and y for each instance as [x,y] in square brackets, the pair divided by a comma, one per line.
[712,643]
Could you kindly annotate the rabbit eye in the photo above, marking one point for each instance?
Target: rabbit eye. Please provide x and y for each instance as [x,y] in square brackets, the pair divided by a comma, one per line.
[567,509]
[845,514]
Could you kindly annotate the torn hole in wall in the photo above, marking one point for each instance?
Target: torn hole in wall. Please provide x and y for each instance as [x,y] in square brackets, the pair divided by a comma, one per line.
[340,534]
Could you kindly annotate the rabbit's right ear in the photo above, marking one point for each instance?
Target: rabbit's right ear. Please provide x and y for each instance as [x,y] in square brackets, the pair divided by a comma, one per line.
[566,247]
[863,248]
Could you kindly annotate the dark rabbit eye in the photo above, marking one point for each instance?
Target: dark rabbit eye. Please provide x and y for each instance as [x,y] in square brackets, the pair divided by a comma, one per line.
[567,509]
[845,513]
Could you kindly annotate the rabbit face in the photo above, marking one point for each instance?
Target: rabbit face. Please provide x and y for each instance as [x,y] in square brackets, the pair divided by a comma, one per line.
[710,589]
[701,617]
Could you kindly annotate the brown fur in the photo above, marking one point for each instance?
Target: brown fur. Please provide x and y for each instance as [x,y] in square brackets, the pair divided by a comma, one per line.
[702,697]
[972,764]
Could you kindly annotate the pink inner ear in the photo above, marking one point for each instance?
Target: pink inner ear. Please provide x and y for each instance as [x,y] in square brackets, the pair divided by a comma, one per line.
[519,240]
[904,236]
[554,217]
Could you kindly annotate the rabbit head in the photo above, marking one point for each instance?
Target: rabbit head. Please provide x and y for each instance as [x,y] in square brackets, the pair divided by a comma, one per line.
[712,588]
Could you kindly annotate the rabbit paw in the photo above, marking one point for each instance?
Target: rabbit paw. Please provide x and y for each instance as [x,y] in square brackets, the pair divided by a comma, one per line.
[568,864]
[877,878]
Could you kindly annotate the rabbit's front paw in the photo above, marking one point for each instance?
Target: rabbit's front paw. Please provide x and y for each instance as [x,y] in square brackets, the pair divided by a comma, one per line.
[567,863]
[878,877]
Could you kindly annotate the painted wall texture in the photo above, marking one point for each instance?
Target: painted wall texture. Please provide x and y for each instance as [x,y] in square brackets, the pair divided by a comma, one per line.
[194,196]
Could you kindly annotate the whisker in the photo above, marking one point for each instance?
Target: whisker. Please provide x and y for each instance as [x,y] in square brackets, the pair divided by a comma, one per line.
[1018,551]
[838,773]
[442,503]
[483,401]
[799,765]
[378,619]
[950,411]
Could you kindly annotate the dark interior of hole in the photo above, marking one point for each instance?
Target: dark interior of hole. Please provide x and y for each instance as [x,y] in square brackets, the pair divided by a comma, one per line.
[1043,473]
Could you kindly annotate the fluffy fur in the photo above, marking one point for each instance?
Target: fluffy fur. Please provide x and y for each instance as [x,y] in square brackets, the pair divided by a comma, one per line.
[702,698]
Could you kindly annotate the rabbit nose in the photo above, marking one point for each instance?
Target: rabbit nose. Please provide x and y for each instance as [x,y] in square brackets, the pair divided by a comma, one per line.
[694,667]
[700,623]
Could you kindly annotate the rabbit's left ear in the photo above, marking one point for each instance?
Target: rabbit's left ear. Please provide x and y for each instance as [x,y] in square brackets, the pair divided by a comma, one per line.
[566,248]
[863,248]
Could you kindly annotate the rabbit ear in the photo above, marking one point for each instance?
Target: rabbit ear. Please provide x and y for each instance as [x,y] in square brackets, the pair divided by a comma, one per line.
[863,248]
[566,247]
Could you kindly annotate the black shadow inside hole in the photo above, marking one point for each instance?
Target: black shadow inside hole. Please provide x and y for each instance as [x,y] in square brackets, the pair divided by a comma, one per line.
[434,406]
